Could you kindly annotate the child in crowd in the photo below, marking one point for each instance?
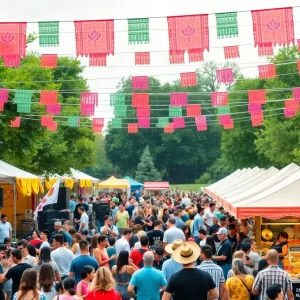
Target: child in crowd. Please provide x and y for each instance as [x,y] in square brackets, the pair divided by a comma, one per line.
[87,275]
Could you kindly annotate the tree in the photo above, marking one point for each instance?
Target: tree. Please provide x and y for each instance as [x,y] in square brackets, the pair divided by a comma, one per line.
[146,170]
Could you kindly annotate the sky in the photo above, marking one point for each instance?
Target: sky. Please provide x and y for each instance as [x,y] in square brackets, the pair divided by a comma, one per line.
[104,80]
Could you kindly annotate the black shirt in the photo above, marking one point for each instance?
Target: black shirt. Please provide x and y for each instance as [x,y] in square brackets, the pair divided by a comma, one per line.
[184,284]
[15,273]
[130,209]
[155,237]
[224,249]
[148,219]
[233,241]
[138,220]
[213,230]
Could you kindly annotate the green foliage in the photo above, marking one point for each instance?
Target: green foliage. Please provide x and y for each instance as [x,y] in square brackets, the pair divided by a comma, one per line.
[146,170]
[204,178]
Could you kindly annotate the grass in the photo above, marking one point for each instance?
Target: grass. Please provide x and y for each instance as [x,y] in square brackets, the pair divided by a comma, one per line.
[195,187]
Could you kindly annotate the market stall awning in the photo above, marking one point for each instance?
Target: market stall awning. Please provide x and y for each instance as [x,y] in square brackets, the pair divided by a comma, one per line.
[160,185]
[25,182]
[112,183]
[133,183]
[85,180]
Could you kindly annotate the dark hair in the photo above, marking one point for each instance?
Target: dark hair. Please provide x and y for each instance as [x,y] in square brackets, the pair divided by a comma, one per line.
[3,216]
[164,210]
[189,234]
[101,238]
[172,221]
[157,223]
[248,240]
[123,260]
[191,216]
[242,235]
[262,264]
[45,255]
[22,243]
[38,233]
[17,253]
[46,278]
[86,270]
[46,231]
[59,238]
[127,231]
[111,241]
[59,287]
[207,251]
[83,245]
[69,285]
[284,234]
[159,251]
[231,219]
[105,217]
[81,208]
[7,240]
[31,250]
[202,231]
[72,231]
[144,240]
[211,242]
[231,227]
[245,246]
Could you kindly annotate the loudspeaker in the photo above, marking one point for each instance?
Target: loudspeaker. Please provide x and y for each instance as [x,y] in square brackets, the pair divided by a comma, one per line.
[50,214]
[64,214]
[63,199]
[102,209]
[1,197]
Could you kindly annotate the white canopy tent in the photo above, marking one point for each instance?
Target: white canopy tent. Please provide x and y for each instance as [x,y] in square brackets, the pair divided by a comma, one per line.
[80,175]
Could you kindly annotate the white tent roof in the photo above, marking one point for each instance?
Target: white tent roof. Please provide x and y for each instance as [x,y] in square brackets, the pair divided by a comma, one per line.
[264,184]
[9,172]
[80,175]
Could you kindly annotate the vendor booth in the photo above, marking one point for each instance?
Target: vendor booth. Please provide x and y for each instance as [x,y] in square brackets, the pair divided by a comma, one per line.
[19,188]
[134,185]
[83,182]
[113,183]
[156,186]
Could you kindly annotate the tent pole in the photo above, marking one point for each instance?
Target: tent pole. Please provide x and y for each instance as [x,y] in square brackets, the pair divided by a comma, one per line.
[15,212]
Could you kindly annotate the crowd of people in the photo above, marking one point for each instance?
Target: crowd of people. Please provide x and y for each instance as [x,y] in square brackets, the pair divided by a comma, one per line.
[169,246]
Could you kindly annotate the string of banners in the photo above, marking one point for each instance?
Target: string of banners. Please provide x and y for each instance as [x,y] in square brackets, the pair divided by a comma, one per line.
[187,34]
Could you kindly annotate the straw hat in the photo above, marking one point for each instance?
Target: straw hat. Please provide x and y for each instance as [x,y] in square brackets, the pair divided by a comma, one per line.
[187,253]
[170,248]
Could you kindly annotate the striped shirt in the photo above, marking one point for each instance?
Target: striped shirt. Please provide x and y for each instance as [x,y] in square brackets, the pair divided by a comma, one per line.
[214,270]
[272,274]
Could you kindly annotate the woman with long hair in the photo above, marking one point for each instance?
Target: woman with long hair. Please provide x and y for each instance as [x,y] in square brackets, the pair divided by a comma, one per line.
[36,241]
[122,273]
[210,241]
[240,285]
[281,246]
[165,215]
[45,257]
[47,281]
[75,248]
[151,217]
[187,231]
[140,217]
[68,292]
[103,286]
[28,287]
[100,253]
[93,244]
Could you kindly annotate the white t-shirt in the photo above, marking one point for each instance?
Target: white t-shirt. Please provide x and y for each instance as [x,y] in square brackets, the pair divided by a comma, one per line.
[122,244]
[173,234]
[44,244]
[84,219]
[5,229]
[208,216]
[63,258]
[187,201]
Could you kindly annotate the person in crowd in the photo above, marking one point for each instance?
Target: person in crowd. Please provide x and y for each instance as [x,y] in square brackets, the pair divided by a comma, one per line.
[130,208]
[190,221]
[122,219]
[137,254]
[100,253]
[208,215]
[62,256]
[178,222]
[28,288]
[80,203]
[156,235]
[223,257]
[281,246]
[241,255]
[58,230]
[245,227]
[135,211]
[84,219]
[187,232]
[82,260]
[27,258]
[151,217]
[246,248]
[5,229]
[137,245]
[272,274]
[219,213]
[239,286]
[111,251]
[222,222]
[46,282]
[274,292]
[215,271]
[122,273]
[72,204]
[103,286]
[44,235]
[198,222]
[68,292]
[165,216]
[232,236]
[202,237]
[240,236]
[87,275]
[31,251]
[171,266]
[185,283]
[147,274]
[214,228]
[253,253]
[109,229]
[172,233]
[140,217]
[158,258]
[263,264]
[123,242]
[93,244]
[75,247]
[45,258]
[36,241]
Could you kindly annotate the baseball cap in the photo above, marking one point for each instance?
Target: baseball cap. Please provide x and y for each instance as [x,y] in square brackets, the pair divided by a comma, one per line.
[222,231]
[273,290]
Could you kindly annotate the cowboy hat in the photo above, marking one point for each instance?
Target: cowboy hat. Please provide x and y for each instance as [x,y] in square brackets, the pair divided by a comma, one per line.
[171,247]
[187,253]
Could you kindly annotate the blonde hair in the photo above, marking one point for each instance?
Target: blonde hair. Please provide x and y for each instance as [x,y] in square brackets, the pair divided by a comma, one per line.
[238,254]
[103,280]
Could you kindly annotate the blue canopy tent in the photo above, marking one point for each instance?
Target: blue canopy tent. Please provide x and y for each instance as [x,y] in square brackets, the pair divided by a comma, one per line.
[134,185]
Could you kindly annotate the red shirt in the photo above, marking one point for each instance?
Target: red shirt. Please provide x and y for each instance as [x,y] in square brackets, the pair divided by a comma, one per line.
[109,295]
[137,257]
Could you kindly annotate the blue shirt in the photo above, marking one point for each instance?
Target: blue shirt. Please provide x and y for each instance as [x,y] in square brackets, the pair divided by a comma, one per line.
[148,291]
[170,267]
[69,238]
[198,221]
[81,261]
[179,223]
[72,205]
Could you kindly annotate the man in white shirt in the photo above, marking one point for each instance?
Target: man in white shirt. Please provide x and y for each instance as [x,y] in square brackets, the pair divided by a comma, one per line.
[44,237]
[187,201]
[208,215]
[123,242]
[62,256]
[172,233]
[84,219]
[5,229]
[27,258]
